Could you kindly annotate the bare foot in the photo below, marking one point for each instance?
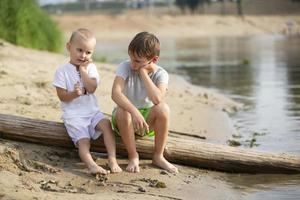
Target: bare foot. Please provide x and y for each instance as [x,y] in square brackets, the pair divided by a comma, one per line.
[97,170]
[113,165]
[133,165]
[163,163]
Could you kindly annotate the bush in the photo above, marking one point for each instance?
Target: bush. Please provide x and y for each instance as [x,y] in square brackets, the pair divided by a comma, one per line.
[22,22]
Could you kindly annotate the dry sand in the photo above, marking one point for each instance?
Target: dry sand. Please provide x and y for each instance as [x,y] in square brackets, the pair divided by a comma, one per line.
[29,171]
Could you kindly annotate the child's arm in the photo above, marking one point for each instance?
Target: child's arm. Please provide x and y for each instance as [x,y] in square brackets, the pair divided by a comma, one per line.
[155,93]
[89,83]
[122,101]
[66,96]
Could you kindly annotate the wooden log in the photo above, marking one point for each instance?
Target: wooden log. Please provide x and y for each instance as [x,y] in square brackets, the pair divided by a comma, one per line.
[184,151]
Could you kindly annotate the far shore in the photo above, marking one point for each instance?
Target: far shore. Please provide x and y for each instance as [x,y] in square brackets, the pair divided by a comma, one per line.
[126,25]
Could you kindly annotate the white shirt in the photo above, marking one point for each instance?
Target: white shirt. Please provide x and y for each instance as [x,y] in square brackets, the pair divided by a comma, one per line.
[66,77]
[134,88]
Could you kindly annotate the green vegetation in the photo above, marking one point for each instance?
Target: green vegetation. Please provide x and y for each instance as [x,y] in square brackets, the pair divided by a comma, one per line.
[237,140]
[237,136]
[192,5]
[252,142]
[233,143]
[245,61]
[22,22]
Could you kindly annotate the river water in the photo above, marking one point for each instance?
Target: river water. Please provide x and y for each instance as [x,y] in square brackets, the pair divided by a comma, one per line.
[263,73]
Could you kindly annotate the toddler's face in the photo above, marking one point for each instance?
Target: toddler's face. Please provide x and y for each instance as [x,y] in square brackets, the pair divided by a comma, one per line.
[80,50]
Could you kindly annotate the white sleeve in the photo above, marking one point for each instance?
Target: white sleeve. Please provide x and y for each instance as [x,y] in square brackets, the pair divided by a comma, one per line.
[122,70]
[93,72]
[163,77]
[59,79]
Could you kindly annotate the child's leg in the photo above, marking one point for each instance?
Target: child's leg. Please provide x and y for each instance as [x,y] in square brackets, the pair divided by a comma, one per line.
[127,134]
[110,144]
[86,157]
[159,121]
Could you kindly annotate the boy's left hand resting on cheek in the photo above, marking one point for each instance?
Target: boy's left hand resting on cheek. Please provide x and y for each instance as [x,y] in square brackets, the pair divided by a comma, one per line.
[148,68]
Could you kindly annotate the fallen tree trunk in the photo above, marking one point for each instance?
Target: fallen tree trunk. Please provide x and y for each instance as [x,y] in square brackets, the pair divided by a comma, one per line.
[185,151]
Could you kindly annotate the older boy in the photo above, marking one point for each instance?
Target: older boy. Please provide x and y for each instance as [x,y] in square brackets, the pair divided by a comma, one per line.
[138,90]
[75,84]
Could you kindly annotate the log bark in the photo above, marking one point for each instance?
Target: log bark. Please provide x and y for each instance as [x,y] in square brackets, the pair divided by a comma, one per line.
[185,151]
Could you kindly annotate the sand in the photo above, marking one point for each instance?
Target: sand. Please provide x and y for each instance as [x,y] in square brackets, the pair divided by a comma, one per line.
[30,171]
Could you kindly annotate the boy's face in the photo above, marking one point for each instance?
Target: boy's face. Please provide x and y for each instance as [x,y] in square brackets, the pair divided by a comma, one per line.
[80,50]
[138,62]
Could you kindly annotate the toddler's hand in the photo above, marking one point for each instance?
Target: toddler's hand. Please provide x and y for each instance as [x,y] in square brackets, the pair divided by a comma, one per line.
[78,89]
[83,66]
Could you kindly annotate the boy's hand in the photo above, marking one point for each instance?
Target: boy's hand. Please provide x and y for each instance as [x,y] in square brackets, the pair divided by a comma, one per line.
[79,90]
[150,67]
[139,123]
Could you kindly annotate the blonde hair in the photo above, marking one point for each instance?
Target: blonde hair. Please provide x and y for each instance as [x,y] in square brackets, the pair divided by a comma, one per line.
[144,44]
[82,33]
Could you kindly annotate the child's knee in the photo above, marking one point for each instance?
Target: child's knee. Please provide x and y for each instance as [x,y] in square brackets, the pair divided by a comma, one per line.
[123,116]
[104,125]
[166,108]
[162,110]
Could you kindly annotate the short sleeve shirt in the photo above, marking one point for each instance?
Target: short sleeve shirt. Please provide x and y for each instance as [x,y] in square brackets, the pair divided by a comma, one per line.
[66,77]
[134,88]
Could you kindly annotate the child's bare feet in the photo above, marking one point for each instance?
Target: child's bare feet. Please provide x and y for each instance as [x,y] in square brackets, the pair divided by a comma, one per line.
[95,169]
[161,162]
[113,165]
[133,165]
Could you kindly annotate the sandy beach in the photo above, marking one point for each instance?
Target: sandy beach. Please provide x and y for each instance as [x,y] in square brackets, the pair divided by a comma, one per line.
[30,171]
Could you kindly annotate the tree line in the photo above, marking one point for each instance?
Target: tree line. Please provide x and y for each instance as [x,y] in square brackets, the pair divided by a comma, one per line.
[193,5]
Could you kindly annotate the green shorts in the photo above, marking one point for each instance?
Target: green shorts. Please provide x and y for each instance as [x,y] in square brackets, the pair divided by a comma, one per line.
[144,111]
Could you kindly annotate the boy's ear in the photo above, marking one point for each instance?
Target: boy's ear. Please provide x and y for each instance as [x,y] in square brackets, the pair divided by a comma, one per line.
[155,59]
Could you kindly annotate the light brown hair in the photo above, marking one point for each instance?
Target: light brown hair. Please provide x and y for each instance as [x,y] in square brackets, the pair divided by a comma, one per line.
[144,44]
[83,34]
